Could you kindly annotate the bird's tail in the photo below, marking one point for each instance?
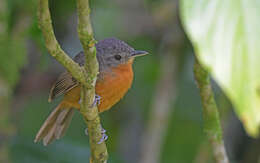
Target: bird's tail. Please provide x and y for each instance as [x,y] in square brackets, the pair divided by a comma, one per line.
[55,125]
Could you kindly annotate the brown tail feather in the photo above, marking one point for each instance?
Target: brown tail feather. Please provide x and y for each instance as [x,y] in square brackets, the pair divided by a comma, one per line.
[63,122]
[55,125]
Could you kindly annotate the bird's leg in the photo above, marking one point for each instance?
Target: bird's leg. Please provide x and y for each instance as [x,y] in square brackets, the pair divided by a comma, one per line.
[96,101]
[103,133]
[80,101]
[103,138]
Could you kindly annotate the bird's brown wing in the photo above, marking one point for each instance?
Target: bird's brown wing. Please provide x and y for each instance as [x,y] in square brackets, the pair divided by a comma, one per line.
[63,84]
[65,81]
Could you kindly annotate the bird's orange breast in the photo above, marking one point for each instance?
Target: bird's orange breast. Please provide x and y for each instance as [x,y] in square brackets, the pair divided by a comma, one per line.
[111,87]
[114,85]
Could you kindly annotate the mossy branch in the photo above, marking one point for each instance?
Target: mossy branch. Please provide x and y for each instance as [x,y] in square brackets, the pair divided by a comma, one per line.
[86,75]
[85,32]
[212,126]
[52,44]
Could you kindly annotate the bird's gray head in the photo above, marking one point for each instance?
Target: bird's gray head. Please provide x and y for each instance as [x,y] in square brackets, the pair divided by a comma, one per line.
[112,52]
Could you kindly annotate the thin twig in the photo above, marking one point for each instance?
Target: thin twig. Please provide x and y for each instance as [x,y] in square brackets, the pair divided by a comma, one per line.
[86,76]
[212,125]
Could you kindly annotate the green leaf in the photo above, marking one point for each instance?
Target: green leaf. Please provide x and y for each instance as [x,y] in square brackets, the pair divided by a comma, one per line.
[226,38]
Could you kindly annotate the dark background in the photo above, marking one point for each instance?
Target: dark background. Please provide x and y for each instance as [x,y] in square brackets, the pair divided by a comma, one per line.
[163,100]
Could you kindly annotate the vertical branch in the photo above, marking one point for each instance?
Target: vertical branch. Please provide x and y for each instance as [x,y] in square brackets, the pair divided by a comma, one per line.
[98,150]
[212,125]
[87,40]
[86,76]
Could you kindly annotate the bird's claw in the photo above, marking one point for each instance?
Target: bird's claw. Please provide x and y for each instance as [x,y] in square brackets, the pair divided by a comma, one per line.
[103,138]
[96,101]
[103,133]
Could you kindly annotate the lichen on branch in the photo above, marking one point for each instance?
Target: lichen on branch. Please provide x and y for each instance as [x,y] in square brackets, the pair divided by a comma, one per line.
[52,45]
[98,150]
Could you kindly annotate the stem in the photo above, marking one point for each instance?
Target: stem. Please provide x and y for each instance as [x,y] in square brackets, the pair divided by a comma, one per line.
[212,125]
[98,151]
[52,45]
[86,76]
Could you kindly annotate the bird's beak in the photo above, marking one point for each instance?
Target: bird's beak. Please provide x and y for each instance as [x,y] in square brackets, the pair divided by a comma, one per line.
[138,53]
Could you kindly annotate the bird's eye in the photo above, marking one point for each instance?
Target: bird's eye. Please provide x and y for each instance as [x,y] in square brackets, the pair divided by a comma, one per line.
[117,57]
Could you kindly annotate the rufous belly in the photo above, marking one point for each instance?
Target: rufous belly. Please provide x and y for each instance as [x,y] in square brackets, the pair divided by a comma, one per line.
[112,87]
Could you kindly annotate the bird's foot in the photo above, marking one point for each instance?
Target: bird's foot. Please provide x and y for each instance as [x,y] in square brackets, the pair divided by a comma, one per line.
[103,138]
[80,101]
[96,101]
[103,133]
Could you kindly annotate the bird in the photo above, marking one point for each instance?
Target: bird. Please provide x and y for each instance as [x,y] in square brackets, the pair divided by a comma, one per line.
[115,58]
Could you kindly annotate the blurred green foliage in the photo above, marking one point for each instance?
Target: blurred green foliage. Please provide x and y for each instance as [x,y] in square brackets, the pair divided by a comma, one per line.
[13,58]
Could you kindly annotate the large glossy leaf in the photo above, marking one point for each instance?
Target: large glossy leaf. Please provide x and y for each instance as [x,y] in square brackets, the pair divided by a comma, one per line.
[226,38]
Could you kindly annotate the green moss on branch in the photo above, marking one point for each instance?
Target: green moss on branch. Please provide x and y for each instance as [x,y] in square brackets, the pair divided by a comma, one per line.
[212,126]
[98,151]
[52,44]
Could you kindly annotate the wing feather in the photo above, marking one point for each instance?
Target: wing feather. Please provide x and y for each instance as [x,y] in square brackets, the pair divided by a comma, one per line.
[65,81]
